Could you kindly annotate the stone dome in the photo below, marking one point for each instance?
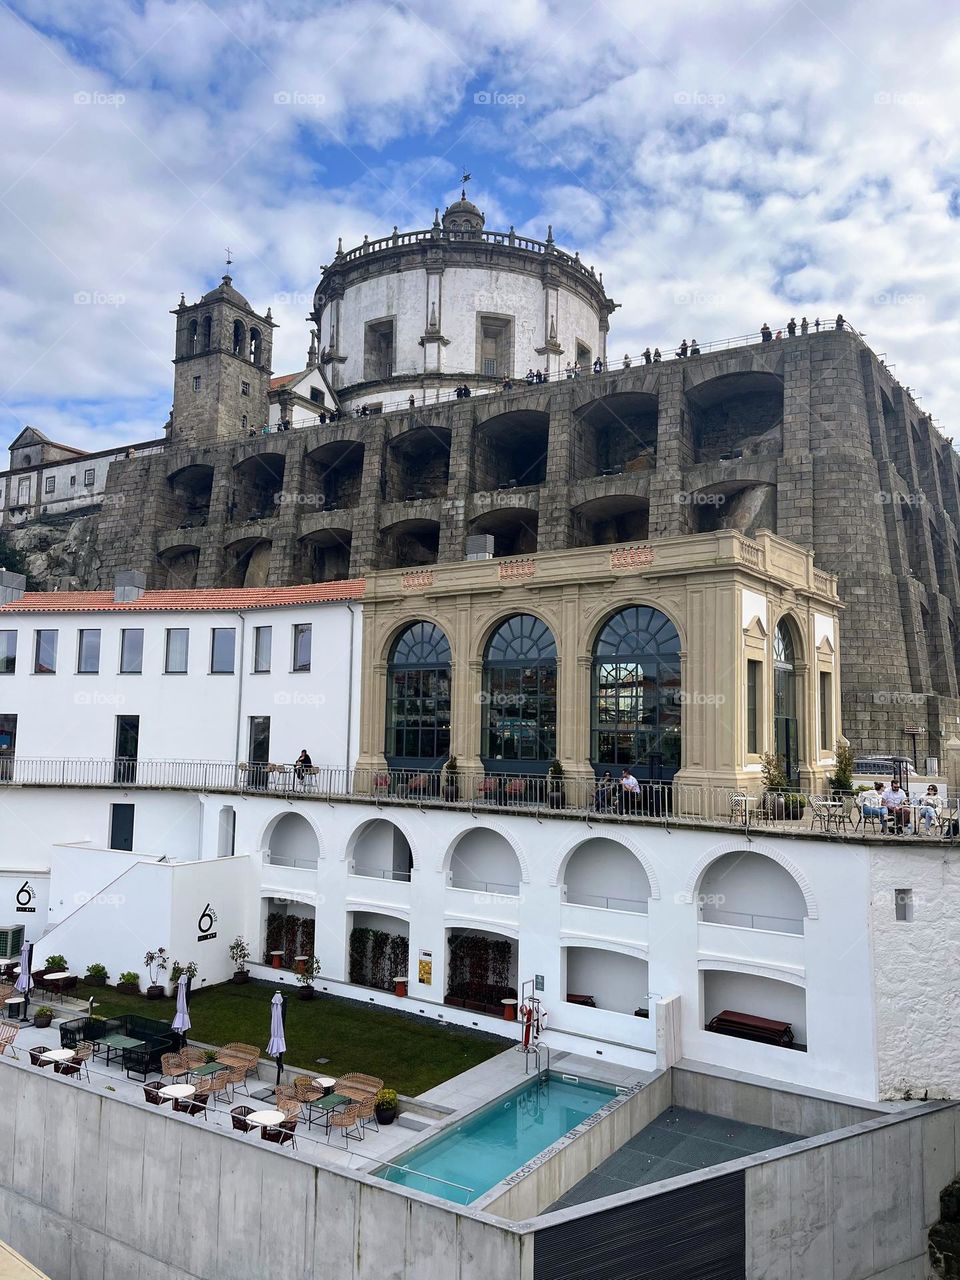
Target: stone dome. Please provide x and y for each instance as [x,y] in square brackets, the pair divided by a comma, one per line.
[462,215]
[225,292]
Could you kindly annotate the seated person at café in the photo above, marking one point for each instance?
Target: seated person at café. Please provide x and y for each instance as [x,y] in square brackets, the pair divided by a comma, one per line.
[872,806]
[897,804]
[931,806]
[629,790]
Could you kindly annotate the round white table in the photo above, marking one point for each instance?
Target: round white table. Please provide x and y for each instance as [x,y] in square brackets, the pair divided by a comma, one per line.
[325,1083]
[57,1055]
[14,1000]
[265,1117]
[177,1091]
[54,977]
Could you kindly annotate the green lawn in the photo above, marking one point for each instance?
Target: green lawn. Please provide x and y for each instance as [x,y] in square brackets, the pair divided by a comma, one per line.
[410,1055]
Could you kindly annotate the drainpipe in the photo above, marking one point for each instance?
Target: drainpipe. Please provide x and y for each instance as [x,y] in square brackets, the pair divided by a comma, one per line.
[353,619]
[240,688]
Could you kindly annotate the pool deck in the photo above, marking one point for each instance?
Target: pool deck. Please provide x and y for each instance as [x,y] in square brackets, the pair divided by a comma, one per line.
[679,1141]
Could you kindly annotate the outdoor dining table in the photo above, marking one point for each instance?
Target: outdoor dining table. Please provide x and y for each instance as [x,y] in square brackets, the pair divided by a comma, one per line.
[325,1083]
[57,1055]
[9,1004]
[266,1118]
[325,1106]
[119,1042]
[208,1069]
[177,1091]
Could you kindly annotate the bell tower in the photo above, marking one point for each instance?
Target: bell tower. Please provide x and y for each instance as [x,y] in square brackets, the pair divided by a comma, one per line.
[221,378]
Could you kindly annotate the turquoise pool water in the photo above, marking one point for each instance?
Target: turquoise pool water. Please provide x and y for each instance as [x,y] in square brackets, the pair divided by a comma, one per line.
[495,1142]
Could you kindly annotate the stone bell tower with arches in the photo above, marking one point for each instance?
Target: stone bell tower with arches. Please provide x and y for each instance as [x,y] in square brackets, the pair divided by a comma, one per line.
[221,368]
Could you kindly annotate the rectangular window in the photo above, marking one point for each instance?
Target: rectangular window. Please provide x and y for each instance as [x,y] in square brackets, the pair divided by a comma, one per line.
[222,646]
[23,491]
[131,651]
[88,652]
[302,641]
[73,481]
[8,746]
[89,476]
[316,395]
[259,739]
[176,651]
[244,388]
[45,653]
[8,653]
[495,346]
[753,706]
[826,711]
[262,644]
[49,484]
[378,355]
[127,749]
[903,904]
[121,826]
[196,383]
[583,356]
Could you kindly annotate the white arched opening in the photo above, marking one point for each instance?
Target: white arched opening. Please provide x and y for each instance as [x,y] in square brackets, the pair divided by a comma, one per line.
[751,891]
[601,872]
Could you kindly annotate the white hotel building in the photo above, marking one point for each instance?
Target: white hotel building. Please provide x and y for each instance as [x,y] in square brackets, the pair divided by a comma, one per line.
[147,743]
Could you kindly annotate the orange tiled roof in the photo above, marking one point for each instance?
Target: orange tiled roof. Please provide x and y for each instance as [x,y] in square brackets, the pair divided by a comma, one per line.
[232,598]
[283,379]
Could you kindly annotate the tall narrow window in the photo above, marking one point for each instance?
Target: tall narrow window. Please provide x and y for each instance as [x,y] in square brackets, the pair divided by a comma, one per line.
[8,745]
[222,646]
[826,711]
[88,652]
[262,644]
[418,696]
[785,701]
[8,653]
[753,705]
[302,633]
[45,653]
[126,749]
[520,692]
[177,650]
[131,650]
[121,827]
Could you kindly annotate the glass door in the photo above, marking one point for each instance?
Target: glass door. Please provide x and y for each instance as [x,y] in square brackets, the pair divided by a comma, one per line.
[8,746]
[127,749]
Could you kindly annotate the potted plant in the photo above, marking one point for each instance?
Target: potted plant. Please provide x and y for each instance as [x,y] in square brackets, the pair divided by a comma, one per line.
[177,970]
[775,784]
[129,984]
[209,1055]
[385,1106]
[239,953]
[96,975]
[43,1016]
[156,962]
[56,964]
[311,970]
[841,782]
[555,788]
[451,780]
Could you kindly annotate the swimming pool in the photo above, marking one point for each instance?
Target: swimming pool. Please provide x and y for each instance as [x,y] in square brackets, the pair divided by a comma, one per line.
[469,1159]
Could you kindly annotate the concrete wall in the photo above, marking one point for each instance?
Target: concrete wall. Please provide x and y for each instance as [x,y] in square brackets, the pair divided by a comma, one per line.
[93,1188]
[918,1049]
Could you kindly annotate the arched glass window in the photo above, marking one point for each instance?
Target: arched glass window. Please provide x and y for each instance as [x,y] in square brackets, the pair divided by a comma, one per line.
[418,695]
[255,346]
[785,729]
[520,692]
[207,332]
[635,700]
[238,338]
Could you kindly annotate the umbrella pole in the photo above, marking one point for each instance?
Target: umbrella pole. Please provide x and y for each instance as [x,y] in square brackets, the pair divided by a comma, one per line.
[279,1067]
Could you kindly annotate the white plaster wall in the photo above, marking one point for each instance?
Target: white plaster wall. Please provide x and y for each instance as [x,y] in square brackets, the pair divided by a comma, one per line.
[605,869]
[617,982]
[28,911]
[916,966]
[388,924]
[749,884]
[763,997]
[824,629]
[197,715]
[752,605]
[293,842]
[484,856]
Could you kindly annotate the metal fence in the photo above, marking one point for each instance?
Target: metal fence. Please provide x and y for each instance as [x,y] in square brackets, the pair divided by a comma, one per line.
[663,803]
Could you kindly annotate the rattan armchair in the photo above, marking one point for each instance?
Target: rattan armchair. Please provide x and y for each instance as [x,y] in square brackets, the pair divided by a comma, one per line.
[8,1035]
[367,1111]
[357,1086]
[345,1120]
[36,1054]
[239,1121]
[173,1065]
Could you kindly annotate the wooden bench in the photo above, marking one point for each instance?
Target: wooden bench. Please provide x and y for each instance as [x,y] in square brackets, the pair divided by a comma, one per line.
[573,998]
[748,1026]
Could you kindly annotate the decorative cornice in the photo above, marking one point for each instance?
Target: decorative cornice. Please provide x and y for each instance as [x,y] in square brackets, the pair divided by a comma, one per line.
[418,581]
[631,558]
[513,570]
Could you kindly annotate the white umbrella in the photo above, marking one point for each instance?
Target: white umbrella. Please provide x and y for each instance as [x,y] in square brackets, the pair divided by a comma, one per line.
[22,983]
[278,1045]
[181,1020]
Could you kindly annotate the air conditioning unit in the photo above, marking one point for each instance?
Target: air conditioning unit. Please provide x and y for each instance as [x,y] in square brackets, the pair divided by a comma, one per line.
[480,546]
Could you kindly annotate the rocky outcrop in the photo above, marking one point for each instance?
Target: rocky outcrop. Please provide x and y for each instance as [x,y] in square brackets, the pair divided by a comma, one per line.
[945,1234]
[61,553]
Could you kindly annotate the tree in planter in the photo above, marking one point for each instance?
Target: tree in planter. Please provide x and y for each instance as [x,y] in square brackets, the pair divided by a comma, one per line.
[451,780]
[555,789]
[774,784]
[56,964]
[359,949]
[842,779]
[311,970]
[399,955]
[177,969]
[96,975]
[129,983]
[239,953]
[501,950]
[308,931]
[156,962]
[291,937]
[385,1106]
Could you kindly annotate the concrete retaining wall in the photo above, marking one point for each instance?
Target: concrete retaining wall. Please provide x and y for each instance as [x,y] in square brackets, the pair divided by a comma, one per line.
[95,1188]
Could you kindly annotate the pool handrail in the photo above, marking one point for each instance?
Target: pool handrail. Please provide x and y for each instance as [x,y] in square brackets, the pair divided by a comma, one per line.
[404,1168]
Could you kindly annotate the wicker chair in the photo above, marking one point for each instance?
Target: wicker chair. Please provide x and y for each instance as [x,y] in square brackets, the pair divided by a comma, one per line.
[37,1052]
[232,1055]
[238,1119]
[191,1058]
[356,1086]
[367,1111]
[73,1066]
[7,1036]
[173,1065]
[287,1100]
[237,1077]
[307,1091]
[196,1106]
[151,1093]
[211,1087]
[281,1133]
[345,1120]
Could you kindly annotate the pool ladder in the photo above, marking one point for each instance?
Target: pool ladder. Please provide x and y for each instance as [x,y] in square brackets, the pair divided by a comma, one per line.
[536,1050]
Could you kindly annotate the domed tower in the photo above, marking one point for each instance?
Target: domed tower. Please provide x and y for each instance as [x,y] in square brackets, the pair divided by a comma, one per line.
[420,312]
[221,378]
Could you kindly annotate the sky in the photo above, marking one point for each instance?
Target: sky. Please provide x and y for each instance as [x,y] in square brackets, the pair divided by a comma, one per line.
[721,165]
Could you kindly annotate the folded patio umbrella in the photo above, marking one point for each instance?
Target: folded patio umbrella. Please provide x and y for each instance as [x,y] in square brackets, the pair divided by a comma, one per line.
[181,1019]
[22,983]
[278,1045]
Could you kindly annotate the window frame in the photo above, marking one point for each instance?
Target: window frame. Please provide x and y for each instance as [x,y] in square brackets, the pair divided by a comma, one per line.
[223,671]
[83,670]
[301,630]
[8,656]
[89,477]
[122,668]
[37,633]
[258,669]
[176,671]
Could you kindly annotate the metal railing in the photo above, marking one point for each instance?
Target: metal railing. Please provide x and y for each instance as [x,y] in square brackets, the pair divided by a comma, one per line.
[459,881]
[380,873]
[665,803]
[747,920]
[636,906]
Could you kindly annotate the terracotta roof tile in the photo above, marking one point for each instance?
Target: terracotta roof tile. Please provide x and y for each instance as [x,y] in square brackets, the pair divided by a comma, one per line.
[232,598]
[283,379]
